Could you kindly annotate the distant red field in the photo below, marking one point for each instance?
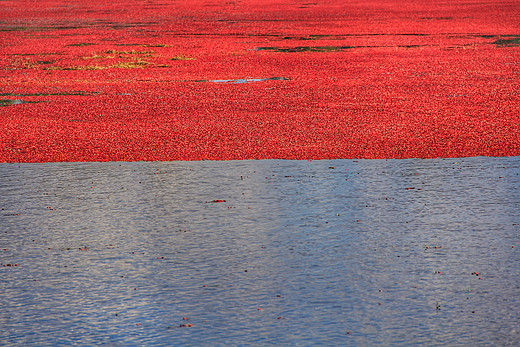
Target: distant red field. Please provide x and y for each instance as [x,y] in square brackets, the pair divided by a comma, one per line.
[221,80]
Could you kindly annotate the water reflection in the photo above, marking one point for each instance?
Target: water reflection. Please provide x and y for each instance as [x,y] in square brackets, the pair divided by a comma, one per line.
[7,102]
[331,252]
[249,80]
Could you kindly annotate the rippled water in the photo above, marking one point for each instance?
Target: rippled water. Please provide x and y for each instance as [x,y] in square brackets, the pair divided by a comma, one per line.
[340,252]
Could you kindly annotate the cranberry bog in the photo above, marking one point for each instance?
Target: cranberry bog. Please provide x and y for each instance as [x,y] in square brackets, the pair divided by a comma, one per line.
[299,79]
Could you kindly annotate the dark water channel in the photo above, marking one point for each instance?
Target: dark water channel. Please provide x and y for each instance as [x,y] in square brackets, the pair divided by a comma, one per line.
[397,252]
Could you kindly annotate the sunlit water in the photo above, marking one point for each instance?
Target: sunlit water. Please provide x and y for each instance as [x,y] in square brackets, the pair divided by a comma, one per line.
[340,252]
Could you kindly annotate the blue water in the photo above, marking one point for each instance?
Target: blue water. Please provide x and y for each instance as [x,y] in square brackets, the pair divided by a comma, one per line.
[342,252]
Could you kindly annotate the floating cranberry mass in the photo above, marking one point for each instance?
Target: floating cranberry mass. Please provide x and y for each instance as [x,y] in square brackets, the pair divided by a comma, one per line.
[216,80]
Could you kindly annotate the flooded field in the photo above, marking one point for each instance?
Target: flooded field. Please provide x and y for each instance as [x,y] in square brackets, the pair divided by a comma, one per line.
[270,252]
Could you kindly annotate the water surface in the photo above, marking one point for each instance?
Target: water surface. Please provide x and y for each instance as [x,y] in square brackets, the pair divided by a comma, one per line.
[267,252]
